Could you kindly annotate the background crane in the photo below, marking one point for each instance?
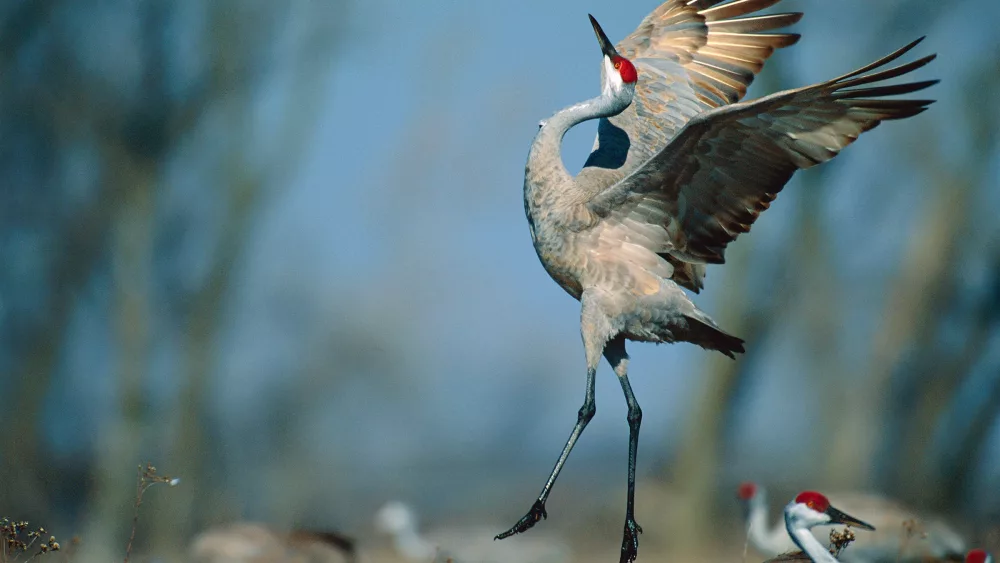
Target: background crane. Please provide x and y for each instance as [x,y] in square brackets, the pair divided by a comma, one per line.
[806,511]
[901,533]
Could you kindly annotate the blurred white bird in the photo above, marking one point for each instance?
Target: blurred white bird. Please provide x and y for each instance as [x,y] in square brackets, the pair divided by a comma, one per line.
[245,542]
[901,534]
[472,544]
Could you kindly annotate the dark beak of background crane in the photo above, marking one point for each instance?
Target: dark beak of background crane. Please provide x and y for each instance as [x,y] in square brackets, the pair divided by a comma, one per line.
[607,47]
[838,517]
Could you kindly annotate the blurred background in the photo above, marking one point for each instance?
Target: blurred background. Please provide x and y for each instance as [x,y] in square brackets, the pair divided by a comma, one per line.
[278,249]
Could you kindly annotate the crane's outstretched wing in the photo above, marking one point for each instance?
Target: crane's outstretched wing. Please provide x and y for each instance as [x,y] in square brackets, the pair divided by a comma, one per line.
[692,55]
[727,165]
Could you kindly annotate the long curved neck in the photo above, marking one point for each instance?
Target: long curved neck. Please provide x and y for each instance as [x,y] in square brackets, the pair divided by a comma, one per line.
[767,538]
[809,544]
[545,159]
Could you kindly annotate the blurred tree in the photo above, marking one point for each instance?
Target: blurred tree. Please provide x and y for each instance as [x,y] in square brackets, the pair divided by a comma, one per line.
[111,112]
[927,385]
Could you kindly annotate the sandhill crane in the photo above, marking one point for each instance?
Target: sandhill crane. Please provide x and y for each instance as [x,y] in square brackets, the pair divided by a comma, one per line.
[468,544]
[679,169]
[903,535]
[808,510]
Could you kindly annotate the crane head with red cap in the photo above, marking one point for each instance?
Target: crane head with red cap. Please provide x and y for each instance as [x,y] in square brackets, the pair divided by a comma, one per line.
[752,497]
[619,77]
[619,71]
[813,509]
[747,491]
[978,556]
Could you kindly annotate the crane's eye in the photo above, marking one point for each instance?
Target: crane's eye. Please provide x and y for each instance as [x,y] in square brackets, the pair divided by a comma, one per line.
[618,65]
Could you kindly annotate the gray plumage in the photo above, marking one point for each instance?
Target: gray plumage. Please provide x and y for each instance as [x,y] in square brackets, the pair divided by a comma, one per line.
[696,168]
[679,169]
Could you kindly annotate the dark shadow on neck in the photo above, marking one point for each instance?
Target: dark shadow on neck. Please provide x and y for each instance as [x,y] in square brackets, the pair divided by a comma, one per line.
[613,147]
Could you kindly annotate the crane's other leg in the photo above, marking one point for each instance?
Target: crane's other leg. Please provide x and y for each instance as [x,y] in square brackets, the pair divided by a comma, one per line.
[618,358]
[583,416]
[595,329]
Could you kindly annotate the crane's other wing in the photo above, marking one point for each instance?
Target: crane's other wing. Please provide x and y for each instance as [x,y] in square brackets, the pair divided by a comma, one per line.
[727,165]
[692,55]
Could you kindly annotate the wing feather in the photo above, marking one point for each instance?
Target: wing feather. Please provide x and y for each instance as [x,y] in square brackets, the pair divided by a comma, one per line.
[727,165]
[753,24]
[692,56]
[735,9]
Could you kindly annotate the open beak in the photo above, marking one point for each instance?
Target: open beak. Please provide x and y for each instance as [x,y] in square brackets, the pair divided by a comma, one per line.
[838,517]
[607,47]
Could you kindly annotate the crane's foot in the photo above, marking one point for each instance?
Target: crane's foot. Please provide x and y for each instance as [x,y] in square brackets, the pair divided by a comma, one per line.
[533,516]
[630,541]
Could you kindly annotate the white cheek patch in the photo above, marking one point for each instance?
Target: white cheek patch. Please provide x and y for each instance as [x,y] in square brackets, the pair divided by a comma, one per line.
[808,516]
[616,79]
[613,79]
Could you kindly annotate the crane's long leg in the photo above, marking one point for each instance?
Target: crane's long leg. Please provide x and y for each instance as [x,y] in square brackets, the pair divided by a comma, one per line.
[618,358]
[583,416]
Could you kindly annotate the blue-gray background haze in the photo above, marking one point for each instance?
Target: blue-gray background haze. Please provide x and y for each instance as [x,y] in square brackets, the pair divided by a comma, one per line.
[279,250]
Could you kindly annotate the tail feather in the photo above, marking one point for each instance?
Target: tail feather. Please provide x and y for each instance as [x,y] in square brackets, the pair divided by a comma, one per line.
[709,336]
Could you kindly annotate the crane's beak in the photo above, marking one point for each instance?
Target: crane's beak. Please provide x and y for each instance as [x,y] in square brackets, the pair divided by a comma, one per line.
[607,47]
[838,517]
